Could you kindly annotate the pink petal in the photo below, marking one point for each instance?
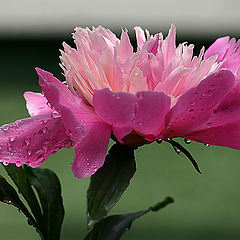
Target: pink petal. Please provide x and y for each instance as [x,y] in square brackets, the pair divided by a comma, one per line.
[125,48]
[141,39]
[114,108]
[31,140]
[219,48]
[223,127]
[151,109]
[90,134]
[73,110]
[169,45]
[36,104]
[151,46]
[196,106]
[91,151]
[224,135]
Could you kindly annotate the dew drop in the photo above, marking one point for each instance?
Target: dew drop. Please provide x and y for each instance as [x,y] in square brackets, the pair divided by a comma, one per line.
[5,128]
[178,151]
[9,146]
[209,92]
[5,163]
[159,141]
[193,103]
[18,164]
[29,152]
[69,132]
[206,144]
[55,114]
[187,141]
[12,139]
[30,222]
[140,123]
[27,141]
[44,121]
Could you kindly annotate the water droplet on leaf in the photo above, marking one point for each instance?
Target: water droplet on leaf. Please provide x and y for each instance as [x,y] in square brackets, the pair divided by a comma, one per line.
[187,141]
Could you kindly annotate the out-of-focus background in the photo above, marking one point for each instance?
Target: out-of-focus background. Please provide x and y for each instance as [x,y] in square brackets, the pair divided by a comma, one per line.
[206,206]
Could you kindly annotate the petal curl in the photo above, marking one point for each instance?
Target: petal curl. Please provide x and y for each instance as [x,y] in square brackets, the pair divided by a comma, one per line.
[141,39]
[196,106]
[219,47]
[90,134]
[90,153]
[74,112]
[36,104]
[31,140]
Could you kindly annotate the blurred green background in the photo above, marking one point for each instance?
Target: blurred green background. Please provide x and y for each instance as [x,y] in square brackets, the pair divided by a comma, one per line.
[206,206]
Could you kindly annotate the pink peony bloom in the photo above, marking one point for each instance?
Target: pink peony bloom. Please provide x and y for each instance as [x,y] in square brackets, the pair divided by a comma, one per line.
[159,91]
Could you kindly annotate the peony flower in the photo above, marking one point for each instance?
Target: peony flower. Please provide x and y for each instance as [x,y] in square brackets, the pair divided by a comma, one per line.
[158,92]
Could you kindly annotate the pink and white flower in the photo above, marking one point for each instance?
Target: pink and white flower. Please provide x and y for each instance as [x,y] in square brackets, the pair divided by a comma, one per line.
[159,91]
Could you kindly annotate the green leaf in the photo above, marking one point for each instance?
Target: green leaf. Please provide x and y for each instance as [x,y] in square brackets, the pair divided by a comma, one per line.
[109,182]
[20,179]
[112,227]
[48,188]
[9,196]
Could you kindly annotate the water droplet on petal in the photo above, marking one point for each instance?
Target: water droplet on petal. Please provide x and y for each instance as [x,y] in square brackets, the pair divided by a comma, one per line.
[55,114]
[27,141]
[9,146]
[5,163]
[140,123]
[159,141]
[209,92]
[193,102]
[187,141]
[69,132]
[18,164]
[5,128]
[12,139]
[29,152]
[44,121]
